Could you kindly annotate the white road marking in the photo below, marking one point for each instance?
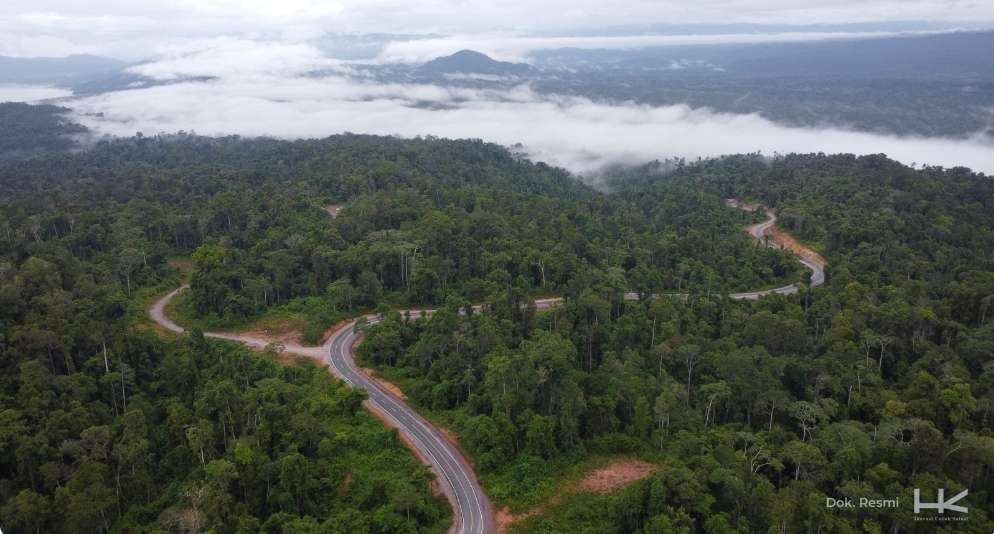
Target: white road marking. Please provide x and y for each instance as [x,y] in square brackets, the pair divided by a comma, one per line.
[426,438]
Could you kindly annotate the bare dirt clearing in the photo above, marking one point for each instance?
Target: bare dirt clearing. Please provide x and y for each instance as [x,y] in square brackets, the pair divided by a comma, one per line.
[787,241]
[615,475]
[281,330]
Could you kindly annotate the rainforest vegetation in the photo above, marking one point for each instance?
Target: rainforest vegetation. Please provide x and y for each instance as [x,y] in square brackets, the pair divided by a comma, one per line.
[877,383]
[874,384]
[35,130]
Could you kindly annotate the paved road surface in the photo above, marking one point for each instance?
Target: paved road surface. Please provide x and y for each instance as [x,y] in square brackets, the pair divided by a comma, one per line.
[474,513]
[760,230]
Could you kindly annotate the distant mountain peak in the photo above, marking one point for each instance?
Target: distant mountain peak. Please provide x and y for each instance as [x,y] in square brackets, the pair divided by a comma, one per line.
[471,55]
[472,62]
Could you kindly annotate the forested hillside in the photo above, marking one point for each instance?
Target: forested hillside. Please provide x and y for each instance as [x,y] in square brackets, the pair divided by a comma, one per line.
[880,382]
[424,218]
[31,130]
[108,427]
[876,383]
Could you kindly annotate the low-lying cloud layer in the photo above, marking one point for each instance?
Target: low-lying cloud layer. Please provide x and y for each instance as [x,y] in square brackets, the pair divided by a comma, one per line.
[509,47]
[30,93]
[273,97]
[131,30]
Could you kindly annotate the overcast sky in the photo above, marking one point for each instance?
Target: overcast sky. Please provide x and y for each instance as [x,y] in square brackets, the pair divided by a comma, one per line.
[258,53]
[133,29]
[261,89]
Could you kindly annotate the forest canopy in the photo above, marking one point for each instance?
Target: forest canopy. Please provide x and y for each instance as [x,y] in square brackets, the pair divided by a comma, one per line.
[35,129]
[878,382]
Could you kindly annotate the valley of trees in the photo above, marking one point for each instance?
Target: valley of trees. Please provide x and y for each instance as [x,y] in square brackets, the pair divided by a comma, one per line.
[876,383]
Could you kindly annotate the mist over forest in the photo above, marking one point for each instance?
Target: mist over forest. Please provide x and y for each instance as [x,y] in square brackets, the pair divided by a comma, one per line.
[637,267]
[920,97]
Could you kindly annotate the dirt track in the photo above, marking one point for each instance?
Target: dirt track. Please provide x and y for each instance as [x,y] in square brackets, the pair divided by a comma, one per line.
[472,509]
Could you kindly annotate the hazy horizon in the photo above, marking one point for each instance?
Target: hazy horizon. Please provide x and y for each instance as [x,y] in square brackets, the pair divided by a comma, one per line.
[258,69]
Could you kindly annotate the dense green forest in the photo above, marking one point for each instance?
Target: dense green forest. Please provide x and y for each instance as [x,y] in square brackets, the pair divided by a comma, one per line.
[876,383]
[108,427]
[425,219]
[34,130]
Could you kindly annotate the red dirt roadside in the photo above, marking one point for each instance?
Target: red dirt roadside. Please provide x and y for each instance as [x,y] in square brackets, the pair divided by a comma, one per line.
[614,476]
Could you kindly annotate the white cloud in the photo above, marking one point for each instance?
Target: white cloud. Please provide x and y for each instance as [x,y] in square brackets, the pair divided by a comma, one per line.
[263,97]
[509,47]
[16,45]
[133,30]
[30,93]
[231,57]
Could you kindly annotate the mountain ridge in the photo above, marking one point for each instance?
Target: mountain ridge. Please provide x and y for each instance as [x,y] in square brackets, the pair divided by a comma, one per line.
[59,71]
[472,62]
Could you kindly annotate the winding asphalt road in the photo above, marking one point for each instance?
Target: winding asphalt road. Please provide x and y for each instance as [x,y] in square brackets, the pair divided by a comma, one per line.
[808,257]
[814,262]
[474,514]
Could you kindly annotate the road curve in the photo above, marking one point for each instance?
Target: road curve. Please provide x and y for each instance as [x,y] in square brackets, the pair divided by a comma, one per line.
[158,311]
[811,259]
[473,512]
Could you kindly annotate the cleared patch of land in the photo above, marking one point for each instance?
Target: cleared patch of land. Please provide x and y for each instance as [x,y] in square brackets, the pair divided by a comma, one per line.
[277,329]
[615,475]
[787,241]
